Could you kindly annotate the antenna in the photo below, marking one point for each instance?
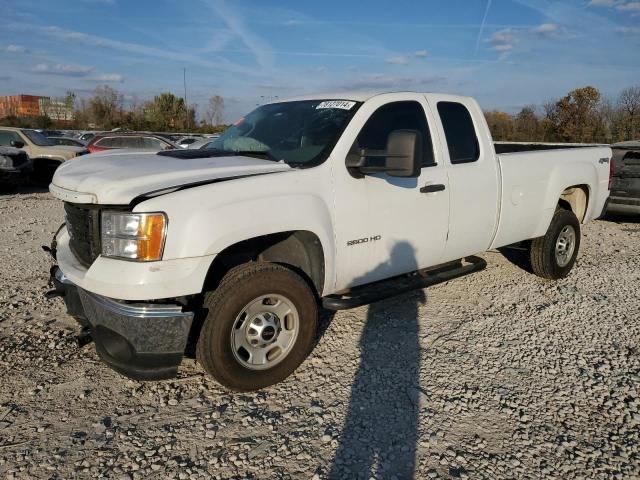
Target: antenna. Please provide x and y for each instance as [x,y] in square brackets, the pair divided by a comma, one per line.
[186,103]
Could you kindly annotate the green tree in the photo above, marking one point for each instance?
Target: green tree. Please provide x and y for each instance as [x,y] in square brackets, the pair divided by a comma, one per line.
[166,112]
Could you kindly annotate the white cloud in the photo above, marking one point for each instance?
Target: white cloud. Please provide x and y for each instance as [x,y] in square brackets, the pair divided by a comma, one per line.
[381,81]
[62,69]
[621,5]
[633,7]
[421,53]
[546,29]
[604,3]
[133,48]
[235,23]
[628,30]
[503,41]
[398,60]
[108,78]
[16,49]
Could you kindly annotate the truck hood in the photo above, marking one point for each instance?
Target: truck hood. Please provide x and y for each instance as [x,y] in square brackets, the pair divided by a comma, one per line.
[118,178]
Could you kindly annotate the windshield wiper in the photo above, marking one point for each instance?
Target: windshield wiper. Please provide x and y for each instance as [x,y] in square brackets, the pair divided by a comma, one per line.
[254,153]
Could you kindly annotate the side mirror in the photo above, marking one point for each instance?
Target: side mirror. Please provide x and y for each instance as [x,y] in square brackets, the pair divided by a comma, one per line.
[404,153]
[401,158]
[17,143]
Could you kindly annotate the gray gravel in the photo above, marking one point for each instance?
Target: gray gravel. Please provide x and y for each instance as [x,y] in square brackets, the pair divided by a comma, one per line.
[495,375]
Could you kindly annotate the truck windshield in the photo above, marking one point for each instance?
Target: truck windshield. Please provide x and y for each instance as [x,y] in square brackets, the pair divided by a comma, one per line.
[38,138]
[300,133]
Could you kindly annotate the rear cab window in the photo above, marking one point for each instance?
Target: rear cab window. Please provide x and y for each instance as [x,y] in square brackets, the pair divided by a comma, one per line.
[460,133]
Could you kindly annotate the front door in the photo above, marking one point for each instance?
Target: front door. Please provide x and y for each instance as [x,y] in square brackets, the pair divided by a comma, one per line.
[386,226]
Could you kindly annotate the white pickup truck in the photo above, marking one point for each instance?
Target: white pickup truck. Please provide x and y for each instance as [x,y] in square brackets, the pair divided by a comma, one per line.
[302,203]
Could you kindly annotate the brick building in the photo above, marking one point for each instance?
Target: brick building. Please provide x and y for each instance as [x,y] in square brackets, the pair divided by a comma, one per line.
[35,106]
[20,106]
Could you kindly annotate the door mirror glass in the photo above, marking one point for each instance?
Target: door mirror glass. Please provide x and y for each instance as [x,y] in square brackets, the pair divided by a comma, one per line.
[17,143]
[404,151]
[401,158]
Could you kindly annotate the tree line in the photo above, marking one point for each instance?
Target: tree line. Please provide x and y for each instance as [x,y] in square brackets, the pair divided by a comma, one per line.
[105,110]
[581,116]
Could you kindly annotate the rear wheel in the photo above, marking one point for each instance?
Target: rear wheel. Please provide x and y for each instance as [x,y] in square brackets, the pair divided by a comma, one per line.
[554,255]
[260,326]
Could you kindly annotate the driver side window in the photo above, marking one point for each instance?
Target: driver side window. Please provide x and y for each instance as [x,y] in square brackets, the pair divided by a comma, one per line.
[407,115]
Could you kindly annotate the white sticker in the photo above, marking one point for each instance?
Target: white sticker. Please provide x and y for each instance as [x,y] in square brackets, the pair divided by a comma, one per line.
[342,104]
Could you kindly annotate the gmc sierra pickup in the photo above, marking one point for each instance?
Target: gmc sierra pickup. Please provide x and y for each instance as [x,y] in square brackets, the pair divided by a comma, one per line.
[312,201]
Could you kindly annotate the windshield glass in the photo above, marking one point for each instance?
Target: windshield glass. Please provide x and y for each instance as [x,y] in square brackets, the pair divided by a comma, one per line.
[299,132]
[38,138]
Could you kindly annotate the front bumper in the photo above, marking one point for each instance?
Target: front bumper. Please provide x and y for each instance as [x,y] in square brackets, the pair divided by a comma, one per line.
[144,341]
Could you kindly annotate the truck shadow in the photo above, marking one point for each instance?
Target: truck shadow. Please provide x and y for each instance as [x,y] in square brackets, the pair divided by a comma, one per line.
[518,255]
[381,426]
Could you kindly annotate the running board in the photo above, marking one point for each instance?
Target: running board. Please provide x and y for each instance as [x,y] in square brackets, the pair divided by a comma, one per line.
[384,289]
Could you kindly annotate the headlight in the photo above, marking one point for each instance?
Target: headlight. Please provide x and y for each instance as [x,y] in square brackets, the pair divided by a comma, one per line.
[136,236]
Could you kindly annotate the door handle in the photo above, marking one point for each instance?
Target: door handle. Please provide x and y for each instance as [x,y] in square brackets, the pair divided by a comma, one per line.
[436,187]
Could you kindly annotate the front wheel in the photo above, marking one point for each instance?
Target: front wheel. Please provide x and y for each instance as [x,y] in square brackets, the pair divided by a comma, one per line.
[260,326]
[554,255]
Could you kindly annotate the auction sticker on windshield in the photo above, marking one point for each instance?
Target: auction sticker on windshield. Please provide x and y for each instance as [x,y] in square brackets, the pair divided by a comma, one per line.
[343,104]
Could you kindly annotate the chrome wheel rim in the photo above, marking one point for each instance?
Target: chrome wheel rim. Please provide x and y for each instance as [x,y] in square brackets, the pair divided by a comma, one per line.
[264,332]
[565,246]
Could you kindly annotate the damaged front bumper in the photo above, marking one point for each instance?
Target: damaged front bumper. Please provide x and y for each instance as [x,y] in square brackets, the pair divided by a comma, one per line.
[144,341]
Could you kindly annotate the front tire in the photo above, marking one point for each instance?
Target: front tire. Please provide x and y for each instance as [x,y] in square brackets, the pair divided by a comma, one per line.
[260,326]
[554,255]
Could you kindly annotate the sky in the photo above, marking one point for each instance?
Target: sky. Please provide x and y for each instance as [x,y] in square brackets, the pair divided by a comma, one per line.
[506,53]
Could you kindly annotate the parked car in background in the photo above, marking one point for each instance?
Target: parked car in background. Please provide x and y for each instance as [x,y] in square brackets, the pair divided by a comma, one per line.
[85,136]
[52,133]
[202,143]
[72,142]
[184,142]
[140,141]
[15,167]
[625,185]
[45,156]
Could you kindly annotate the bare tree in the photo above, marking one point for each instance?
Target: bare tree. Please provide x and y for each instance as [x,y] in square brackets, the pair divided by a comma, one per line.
[629,103]
[215,110]
[105,107]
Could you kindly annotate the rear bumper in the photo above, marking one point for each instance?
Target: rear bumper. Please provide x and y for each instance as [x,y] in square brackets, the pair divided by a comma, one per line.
[144,341]
[17,174]
[623,205]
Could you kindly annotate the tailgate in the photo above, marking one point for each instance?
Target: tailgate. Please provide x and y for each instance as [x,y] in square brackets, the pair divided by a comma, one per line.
[626,175]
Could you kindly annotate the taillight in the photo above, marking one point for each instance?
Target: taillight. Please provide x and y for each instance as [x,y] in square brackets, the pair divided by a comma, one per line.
[610,173]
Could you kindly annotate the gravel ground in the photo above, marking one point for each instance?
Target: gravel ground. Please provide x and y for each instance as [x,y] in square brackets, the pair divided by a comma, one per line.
[495,375]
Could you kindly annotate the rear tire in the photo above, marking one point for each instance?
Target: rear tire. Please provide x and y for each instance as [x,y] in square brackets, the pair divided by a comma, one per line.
[260,326]
[554,255]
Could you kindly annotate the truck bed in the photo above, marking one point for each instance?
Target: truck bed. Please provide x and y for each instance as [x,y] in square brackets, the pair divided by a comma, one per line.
[532,181]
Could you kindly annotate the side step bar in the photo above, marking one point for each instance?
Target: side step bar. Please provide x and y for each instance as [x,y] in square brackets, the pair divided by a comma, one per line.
[384,289]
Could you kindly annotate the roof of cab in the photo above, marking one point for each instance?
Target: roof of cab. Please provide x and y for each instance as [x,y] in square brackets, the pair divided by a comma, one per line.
[359,96]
